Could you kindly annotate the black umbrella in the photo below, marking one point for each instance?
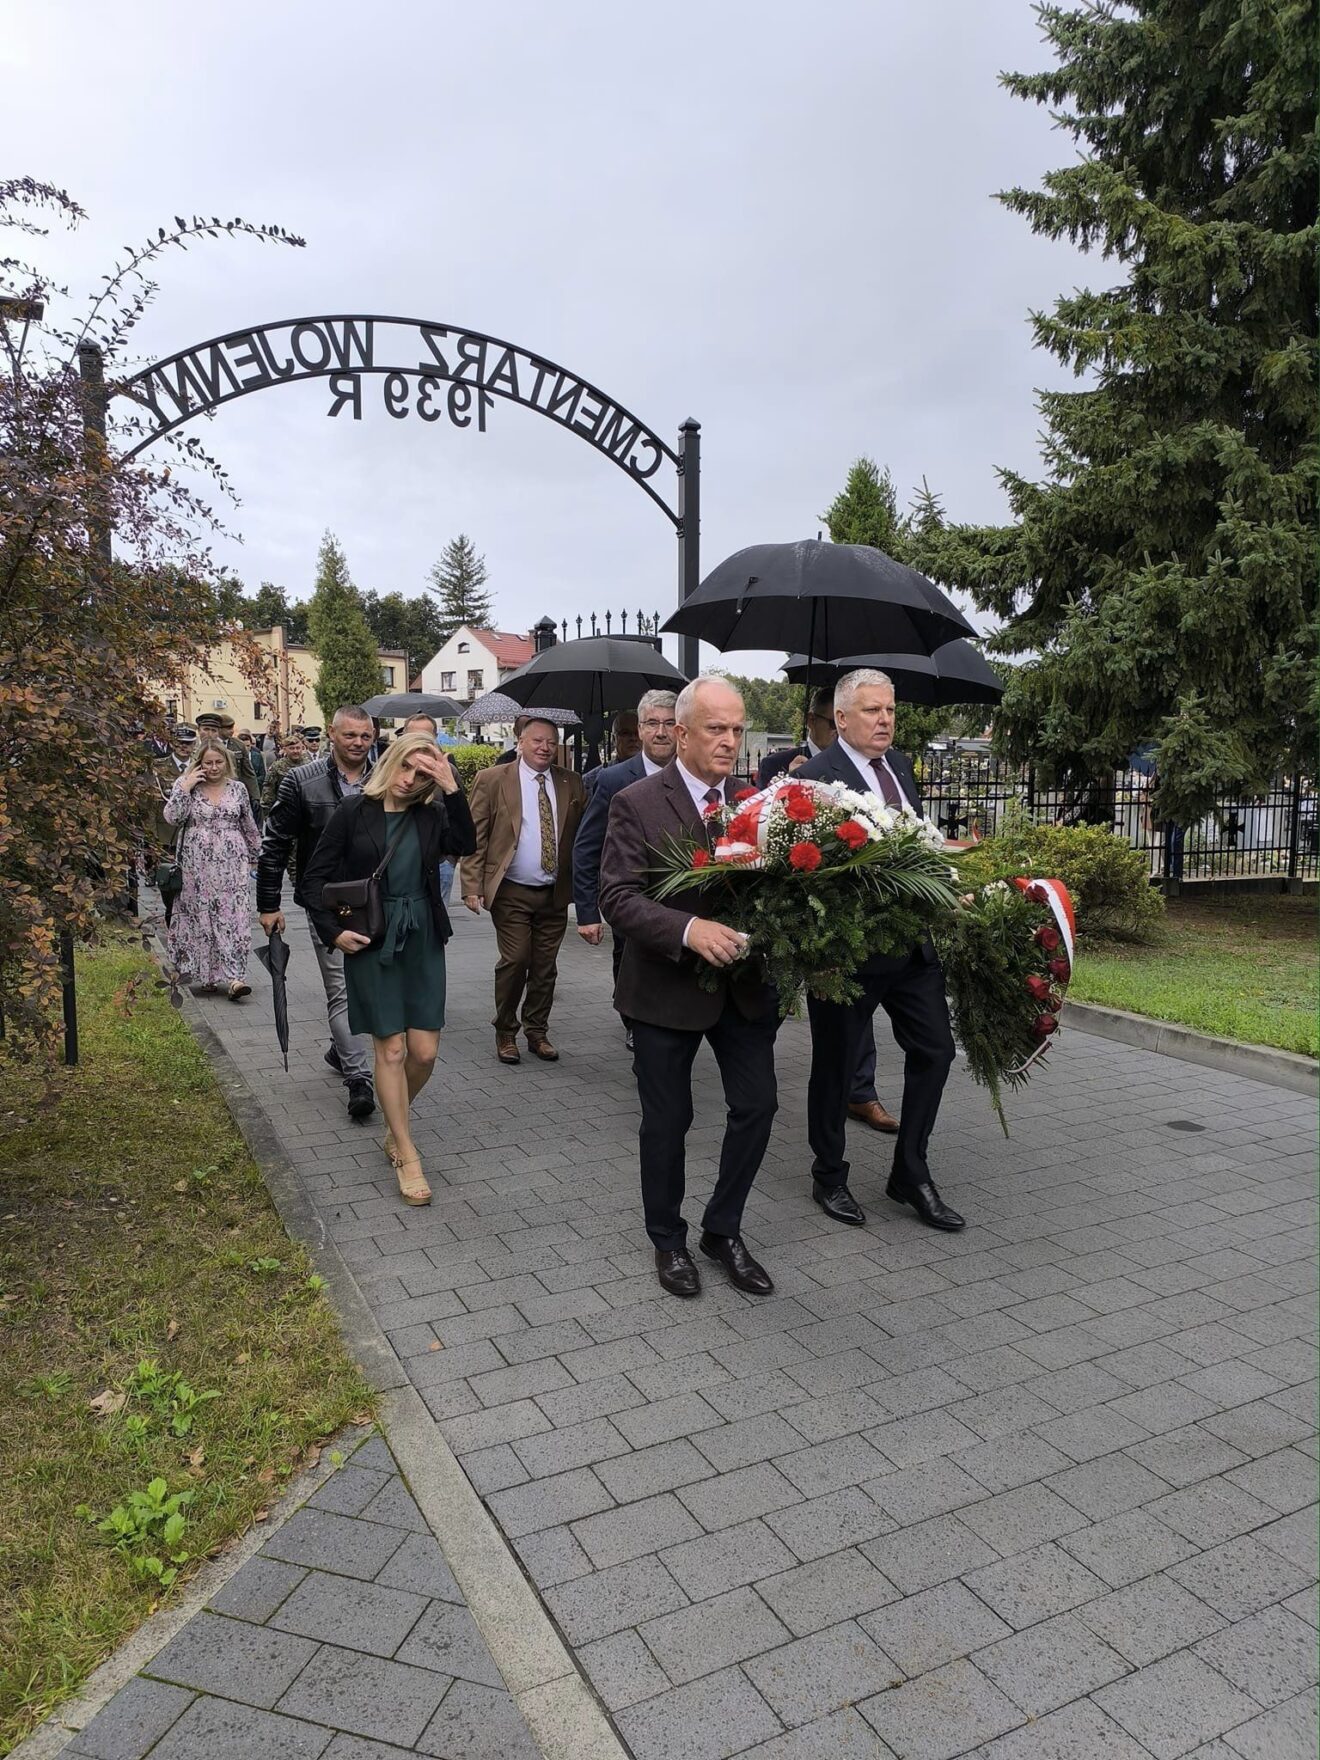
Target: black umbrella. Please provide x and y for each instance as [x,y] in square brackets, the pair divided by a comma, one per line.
[399,705]
[275,957]
[595,675]
[955,673]
[824,600]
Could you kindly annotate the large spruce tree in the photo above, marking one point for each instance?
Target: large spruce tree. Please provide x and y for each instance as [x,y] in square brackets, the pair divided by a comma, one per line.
[1163,573]
[458,581]
[338,632]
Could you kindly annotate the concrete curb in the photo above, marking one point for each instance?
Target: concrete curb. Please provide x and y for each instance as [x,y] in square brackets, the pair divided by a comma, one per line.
[562,1711]
[1259,1063]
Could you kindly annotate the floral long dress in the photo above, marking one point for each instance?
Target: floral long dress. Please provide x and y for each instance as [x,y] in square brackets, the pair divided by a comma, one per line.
[210,934]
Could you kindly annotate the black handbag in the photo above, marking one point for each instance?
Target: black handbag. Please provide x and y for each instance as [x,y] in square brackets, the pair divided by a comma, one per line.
[358,903]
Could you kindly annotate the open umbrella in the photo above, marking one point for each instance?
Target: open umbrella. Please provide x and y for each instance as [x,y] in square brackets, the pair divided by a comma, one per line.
[955,673]
[399,705]
[275,957]
[822,600]
[495,706]
[595,675]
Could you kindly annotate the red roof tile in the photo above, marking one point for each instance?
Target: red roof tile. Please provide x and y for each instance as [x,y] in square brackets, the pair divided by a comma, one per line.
[509,650]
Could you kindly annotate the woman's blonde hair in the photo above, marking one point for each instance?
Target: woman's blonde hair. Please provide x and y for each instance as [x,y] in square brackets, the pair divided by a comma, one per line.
[213,745]
[377,784]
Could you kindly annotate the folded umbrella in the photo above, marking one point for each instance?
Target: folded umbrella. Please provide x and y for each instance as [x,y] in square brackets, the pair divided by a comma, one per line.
[275,957]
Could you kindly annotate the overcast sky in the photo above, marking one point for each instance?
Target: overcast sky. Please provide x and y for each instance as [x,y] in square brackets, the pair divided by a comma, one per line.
[773,217]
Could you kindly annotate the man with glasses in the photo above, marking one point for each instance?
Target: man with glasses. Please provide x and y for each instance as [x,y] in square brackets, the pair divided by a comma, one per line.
[655,725]
[307,796]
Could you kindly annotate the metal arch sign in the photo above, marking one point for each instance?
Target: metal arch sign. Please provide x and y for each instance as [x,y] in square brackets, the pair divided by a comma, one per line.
[433,372]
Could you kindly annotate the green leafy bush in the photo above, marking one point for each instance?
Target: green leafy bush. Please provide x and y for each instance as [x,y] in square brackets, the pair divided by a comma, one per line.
[467,760]
[1108,879]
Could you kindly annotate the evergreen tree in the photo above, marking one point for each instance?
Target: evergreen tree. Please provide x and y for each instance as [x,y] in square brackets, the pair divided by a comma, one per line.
[458,581]
[415,625]
[865,511]
[337,629]
[1163,573]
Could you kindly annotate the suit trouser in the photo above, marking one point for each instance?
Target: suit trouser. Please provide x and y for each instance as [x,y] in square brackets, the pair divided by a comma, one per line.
[353,1048]
[913,998]
[863,1083]
[529,928]
[662,1063]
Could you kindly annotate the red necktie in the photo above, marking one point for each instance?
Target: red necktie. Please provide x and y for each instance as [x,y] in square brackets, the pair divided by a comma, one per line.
[888,787]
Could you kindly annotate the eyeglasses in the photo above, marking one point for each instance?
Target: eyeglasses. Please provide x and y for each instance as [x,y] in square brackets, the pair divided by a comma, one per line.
[658,726]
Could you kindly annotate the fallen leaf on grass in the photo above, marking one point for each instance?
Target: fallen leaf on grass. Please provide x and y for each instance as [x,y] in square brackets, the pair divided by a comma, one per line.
[172,1330]
[261,1515]
[362,1419]
[108,1402]
[243,1357]
[266,1476]
[180,1185]
[197,1456]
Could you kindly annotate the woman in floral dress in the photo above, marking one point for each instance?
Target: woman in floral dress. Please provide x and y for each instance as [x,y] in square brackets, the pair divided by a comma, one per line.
[211,930]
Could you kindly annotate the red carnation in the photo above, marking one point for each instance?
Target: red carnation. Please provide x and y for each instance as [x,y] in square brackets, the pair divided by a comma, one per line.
[1060,970]
[800,808]
[1047,936]
[1038,988]
[700,857]
[805,857]
[742,829]
[709,811]
[1044,1025]
[851,833]
[745,794]
[1038,895]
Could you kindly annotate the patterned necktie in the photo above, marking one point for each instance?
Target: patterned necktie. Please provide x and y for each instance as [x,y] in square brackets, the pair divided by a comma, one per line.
[549,855]
[888,787]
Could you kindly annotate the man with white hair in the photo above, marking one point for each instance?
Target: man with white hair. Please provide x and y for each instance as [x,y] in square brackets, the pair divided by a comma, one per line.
[908,986]
[660,992]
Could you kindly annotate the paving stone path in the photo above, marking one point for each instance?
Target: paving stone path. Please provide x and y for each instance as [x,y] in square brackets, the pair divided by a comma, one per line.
[1041,1491]
[344,1638]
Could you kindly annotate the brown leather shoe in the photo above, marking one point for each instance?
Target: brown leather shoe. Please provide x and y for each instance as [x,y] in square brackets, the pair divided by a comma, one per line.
[506,1048]
[542,1048]
[873,1113]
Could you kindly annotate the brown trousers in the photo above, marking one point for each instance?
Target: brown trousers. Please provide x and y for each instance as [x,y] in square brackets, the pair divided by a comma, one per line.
[529,928]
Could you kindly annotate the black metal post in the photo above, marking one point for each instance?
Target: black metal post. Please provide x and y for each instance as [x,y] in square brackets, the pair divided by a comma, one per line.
[1295,823]
[689,534]
[70,997]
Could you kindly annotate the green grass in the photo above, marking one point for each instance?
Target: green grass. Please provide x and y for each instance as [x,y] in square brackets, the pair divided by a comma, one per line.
[134,1226]
[1241,967]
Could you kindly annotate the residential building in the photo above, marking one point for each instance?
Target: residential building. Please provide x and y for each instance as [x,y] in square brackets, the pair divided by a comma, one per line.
[473,661]
[258,677]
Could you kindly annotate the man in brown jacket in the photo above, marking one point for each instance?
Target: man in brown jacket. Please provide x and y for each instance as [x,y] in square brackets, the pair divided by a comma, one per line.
[526,816]
[671,1012]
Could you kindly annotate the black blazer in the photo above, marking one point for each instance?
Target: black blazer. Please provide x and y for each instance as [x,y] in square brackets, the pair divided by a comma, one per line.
[590,839]
[353,842]
[834,765]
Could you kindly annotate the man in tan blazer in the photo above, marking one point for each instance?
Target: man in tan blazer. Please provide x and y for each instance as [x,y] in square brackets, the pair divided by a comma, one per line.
[526,815]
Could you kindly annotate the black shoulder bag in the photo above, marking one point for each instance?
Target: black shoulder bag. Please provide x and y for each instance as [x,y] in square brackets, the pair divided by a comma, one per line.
[169,873]
[358,903]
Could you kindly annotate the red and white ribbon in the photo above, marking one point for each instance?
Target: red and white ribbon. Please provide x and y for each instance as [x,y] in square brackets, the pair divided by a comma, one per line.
[1061,906]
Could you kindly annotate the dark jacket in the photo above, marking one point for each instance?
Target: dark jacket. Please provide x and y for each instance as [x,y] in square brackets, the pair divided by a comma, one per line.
[353,843]
[775,763]
[610,778]
[834,765]
[307,797]
[658,977]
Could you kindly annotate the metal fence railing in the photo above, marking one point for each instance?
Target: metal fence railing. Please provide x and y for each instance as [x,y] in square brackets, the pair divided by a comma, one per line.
[1274,835]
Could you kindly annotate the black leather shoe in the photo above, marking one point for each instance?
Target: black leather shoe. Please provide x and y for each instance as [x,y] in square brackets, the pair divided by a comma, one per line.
[838,1202]
[332,1058]
[361,1100]
[928,1204]
[677,1273]
[743,1270]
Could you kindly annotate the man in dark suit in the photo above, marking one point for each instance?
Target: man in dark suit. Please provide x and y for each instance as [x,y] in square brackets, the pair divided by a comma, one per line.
[655,722]
[658,990]
[909,987]
[820,733]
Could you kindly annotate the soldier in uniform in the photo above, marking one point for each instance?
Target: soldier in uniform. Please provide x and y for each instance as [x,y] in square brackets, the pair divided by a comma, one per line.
[165,771]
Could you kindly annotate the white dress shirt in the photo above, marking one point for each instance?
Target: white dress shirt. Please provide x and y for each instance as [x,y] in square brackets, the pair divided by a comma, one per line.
[649,767]
[864,765]
[525,869]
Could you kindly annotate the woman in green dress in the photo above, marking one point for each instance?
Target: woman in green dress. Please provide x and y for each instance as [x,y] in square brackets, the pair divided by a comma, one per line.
[413,807]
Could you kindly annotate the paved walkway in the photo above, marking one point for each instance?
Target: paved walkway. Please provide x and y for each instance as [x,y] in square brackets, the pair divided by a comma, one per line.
[1041,1490]
[345,1638]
